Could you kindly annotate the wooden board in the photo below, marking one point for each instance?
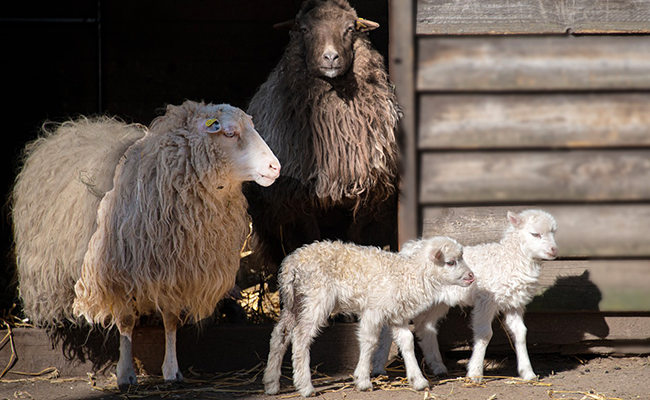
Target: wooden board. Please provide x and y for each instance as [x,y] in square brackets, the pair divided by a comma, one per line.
[533,63]
[460,17]
[583,230]
[472,177]
[464,121]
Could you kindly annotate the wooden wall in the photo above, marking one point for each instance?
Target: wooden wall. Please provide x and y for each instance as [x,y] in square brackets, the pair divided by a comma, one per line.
[543,104]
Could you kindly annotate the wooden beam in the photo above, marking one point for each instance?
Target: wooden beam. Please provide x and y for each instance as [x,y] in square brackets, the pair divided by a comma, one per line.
[462,121]
[503,17]
[583,230]
[535,176]
[401,67]
[533,63]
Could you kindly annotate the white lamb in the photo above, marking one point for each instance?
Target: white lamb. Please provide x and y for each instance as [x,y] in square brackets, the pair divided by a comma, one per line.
[506,280]
[380,287]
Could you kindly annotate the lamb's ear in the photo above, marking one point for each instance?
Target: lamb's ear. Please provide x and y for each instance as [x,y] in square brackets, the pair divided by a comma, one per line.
[436,255]
[289,25]
[515,219]
[365,25]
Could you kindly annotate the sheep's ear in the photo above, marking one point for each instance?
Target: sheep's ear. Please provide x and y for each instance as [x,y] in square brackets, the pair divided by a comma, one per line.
[515,219]
[289,25]
[365,25]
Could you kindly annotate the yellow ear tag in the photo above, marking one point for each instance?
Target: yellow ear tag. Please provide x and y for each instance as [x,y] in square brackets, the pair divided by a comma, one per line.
[211,121]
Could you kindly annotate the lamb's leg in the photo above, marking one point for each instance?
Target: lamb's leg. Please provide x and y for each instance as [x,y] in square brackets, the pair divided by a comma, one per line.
[368,335]
[308,325]
[426,329]
[170,363]
[380,358]
[404,339]
[482,316]
[514,321]
[279,342]
[125,371]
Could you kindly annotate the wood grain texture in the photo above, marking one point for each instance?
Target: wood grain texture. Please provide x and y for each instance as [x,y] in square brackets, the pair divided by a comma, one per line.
[533,63]
[534,121]
[576,175]
[491,17]
[401,64]
[583,230]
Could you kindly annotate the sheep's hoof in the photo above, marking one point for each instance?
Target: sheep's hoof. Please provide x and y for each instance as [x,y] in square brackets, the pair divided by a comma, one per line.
[529,376]
[438,369]
[475,379]
[307,391]
[175,378]
[378,371]
[272,388]
[124,384]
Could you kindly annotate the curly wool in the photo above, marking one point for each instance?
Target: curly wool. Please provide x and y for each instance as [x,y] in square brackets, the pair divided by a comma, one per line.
[335,137]
[170,231]
[65,173]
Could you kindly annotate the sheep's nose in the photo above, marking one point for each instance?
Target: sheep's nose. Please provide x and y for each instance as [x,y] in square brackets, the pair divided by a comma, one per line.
[330,56]
[471,275]
[275,167]
[554,251]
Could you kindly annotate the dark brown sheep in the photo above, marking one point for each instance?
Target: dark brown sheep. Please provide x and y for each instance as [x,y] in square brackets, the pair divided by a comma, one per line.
[329,112]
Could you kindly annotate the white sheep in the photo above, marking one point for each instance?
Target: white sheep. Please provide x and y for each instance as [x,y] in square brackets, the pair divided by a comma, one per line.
[170,230]
[506,281]
[380,287]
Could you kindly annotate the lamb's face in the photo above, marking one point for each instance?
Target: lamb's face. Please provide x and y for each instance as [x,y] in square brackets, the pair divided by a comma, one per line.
[536,230]
[249,156]
[328,33]
[447,257]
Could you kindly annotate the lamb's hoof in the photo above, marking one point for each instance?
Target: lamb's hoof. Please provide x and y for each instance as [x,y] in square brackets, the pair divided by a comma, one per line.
[363,386]
[475,379]
[307,391]
[439,369]
[420,384]
[125,382]
[272,387]
[378,372]
[529,376]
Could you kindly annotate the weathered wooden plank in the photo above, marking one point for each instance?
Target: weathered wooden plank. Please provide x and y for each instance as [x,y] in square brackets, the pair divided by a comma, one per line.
[533,63]
[594,285]
[583,230]
[471,177]
[460,17]
[520,121]
[566,333]
[401,62]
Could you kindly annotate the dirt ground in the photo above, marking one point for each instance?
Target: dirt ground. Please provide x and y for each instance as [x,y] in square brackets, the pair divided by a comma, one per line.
[561,377]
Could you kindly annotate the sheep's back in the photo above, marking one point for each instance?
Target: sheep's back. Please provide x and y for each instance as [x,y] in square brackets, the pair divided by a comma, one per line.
[66,173]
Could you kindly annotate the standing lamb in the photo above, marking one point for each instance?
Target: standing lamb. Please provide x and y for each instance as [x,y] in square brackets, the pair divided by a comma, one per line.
[506,281]
[168,233]
[380,287]
[329,113]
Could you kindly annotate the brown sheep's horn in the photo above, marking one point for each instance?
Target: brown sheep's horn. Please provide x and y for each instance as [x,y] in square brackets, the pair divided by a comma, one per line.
[365,25]
[286,25]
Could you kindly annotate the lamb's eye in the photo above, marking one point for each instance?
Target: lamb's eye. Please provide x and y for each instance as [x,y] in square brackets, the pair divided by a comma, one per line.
[451,263]
[537,235]
[350,28]
[304,30]
[230,133]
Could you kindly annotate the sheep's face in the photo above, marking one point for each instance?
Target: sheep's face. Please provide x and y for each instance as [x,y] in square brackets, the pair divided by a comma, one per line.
[249,156]
[447,257]
[328,32]
[536,230]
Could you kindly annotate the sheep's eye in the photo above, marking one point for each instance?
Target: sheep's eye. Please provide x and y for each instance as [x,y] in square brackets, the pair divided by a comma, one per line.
[451,263]
[230,133]
[304,30]
[537,235]
[350,28]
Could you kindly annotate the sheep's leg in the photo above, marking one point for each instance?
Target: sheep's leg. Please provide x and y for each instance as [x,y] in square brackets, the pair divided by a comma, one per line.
[125,371]
[426,329]
[279,342]
[368,335]
[170,368]
[514,321]
[380,358]
[404,339]
[307,327]
[482,317]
